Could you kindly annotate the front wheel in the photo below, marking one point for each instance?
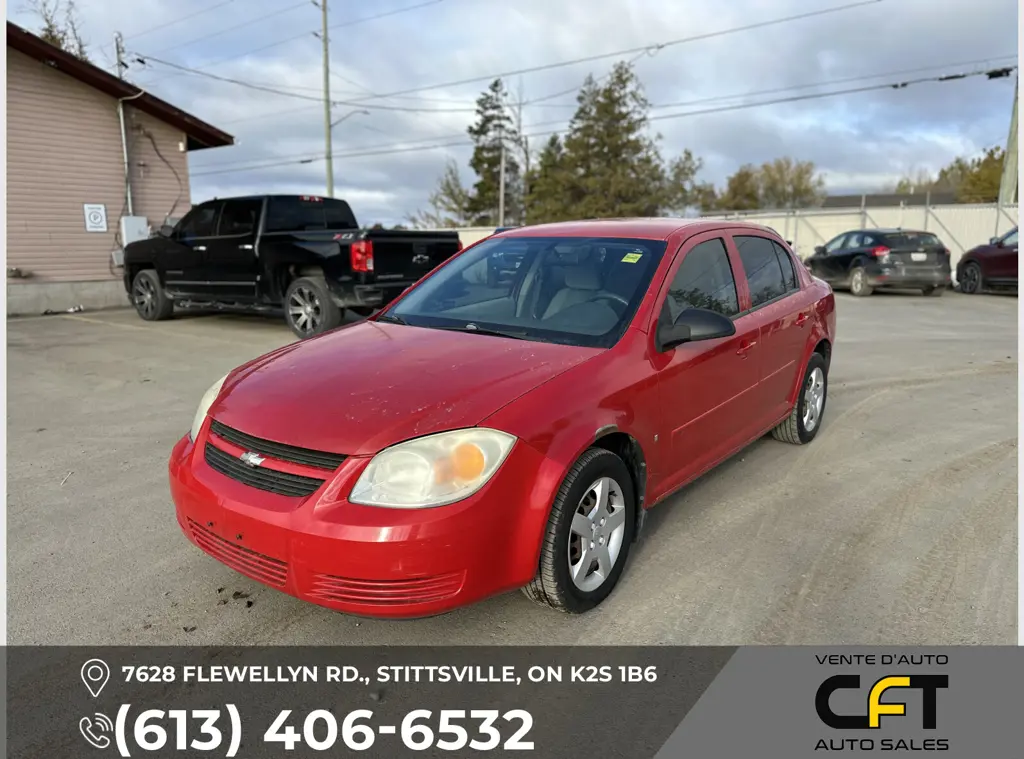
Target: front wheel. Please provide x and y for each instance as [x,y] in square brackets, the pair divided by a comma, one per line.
[308,307]
[149,298]
[588,535]
[805,420]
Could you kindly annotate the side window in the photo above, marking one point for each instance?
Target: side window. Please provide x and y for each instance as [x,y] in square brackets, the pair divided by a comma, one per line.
[836,244]
[239,217]
[786,262]
[201,221]
[704,280]
[764,273]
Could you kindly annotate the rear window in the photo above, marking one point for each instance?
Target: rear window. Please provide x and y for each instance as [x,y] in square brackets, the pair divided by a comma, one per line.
[911,239]
[308,213]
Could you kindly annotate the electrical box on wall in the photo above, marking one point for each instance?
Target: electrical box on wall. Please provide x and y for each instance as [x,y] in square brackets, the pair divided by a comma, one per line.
[133,228]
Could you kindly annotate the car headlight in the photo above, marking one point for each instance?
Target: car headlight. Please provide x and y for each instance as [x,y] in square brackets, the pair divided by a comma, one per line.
[204,406]
[433,470]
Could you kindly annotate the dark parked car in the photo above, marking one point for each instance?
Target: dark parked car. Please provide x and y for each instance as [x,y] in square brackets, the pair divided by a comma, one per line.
[990,267]
[300,253]
[867,259]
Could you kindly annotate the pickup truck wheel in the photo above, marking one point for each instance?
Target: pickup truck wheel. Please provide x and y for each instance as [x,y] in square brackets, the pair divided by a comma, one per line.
[309,309]
[149,298]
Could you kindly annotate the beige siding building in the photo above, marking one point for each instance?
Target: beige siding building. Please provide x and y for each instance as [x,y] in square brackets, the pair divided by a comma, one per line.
[66,174]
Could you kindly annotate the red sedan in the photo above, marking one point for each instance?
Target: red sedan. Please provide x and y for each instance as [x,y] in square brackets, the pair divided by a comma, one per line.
[509,420]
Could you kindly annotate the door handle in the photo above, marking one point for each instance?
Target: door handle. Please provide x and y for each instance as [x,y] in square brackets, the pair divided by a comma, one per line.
[245,247]
[745,347]
[200,247]
[802,319]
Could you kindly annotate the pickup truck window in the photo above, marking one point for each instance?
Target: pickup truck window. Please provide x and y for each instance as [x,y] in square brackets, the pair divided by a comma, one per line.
[303,214]
[201,221]
[239,217]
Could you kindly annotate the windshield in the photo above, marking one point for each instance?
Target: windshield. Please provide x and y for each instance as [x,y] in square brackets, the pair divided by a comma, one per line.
[574,290]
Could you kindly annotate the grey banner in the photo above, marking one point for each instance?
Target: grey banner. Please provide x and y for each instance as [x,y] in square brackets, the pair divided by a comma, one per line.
[766,702]
[608,702]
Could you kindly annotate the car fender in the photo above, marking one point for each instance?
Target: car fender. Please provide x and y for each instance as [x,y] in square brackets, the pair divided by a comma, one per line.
[823,327]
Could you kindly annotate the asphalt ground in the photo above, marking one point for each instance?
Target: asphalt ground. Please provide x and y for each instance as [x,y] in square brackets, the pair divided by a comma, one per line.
[897,525]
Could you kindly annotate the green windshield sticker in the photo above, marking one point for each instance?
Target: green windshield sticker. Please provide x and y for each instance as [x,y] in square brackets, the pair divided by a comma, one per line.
[632,258]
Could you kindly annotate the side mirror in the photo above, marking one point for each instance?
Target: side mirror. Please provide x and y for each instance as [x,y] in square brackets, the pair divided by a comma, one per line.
[995,241]
[819,250]
[693,325]
[166,230]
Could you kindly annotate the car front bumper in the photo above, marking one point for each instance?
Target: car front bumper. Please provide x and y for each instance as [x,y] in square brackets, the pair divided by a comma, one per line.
[363,560]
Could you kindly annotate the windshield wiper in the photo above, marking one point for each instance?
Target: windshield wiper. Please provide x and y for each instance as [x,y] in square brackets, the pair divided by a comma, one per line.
[484,331]
[391,319]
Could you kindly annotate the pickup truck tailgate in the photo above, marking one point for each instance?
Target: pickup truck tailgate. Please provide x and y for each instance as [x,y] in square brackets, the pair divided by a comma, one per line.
[407,256]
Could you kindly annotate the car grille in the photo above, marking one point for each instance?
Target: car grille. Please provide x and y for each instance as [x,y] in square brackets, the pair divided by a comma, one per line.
[249,563]
[260,477]
[387,592]
[280,451]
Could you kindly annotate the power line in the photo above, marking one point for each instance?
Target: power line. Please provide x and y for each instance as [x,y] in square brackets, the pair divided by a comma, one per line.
[249,22]
[385,150]
[703,101]
[286,40]
[630,51]
[164,25]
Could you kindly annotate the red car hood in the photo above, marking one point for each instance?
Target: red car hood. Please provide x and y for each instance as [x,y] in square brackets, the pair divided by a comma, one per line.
[368,386]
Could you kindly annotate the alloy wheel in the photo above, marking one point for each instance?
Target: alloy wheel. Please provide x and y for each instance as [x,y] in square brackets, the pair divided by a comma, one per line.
[144,296]
[305,310]
[814,399]
[971,281]
[596,534]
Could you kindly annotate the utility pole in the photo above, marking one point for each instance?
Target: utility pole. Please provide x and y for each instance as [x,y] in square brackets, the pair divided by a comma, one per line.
[121,66]
[328,147]
[501,177]
[1008,183]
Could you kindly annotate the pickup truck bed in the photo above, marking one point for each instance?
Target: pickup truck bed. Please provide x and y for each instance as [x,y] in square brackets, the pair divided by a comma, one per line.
[302,255]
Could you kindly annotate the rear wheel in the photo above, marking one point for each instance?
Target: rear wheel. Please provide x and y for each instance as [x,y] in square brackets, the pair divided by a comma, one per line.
[308,307]
[149,298]
[859,284]
[970,279]
[588,535]
[803,423]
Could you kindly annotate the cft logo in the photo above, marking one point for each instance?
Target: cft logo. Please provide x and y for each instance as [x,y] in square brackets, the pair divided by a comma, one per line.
[929,686]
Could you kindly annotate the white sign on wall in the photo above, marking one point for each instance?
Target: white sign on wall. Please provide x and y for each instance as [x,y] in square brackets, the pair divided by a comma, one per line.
[95,217]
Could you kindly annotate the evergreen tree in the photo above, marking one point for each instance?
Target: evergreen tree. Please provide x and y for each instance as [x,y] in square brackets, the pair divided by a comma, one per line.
[492,128]
[546,183]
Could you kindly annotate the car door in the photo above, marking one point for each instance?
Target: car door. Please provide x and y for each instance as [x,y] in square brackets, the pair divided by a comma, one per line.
[705,388]
[1004,259]
[827,264]
[183,258]
[781,314]
[230,265]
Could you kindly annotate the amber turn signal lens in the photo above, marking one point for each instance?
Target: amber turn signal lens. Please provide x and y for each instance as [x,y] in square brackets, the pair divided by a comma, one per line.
[468,462]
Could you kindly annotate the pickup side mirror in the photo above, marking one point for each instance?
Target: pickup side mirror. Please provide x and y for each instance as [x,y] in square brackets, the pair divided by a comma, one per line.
[166,230]
[693,325]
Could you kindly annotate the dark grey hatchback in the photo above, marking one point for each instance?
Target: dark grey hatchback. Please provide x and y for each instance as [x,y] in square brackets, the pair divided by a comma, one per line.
[868,259]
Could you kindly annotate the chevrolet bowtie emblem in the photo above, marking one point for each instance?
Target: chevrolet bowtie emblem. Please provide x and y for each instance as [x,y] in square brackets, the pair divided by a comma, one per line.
[252,459]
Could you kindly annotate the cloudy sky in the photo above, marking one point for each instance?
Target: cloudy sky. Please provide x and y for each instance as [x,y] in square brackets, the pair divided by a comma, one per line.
[391,155]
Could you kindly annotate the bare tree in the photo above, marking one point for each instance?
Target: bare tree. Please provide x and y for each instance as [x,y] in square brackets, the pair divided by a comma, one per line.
[59,25]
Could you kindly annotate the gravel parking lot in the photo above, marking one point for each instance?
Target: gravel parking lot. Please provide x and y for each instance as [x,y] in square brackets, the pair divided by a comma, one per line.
[897,525]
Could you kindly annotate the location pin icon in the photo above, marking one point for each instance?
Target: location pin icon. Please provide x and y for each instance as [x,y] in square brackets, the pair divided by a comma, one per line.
[95,674]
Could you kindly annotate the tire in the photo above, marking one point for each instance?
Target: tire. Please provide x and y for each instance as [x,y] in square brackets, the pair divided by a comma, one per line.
[859,284]
[308,307]
[934,292]
[148,296]
[971,282]
[798,428]
[553,584]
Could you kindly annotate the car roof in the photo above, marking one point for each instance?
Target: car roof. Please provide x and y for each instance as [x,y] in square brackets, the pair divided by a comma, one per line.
[646,229]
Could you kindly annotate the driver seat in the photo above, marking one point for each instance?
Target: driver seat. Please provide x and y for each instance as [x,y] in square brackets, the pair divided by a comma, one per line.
[582,283]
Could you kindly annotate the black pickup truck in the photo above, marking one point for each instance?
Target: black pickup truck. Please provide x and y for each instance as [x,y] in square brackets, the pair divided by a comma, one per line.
[299,254]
